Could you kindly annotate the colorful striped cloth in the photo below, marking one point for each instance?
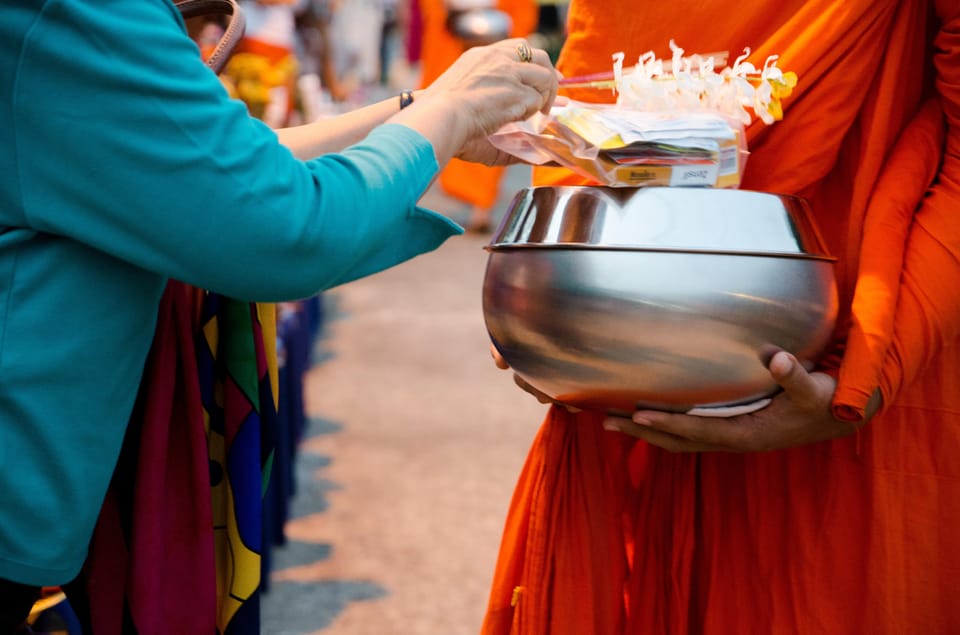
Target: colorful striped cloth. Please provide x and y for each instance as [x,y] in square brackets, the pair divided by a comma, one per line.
[178,543]
[240,414]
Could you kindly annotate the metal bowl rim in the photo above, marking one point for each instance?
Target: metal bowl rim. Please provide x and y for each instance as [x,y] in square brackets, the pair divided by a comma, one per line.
[789,201]
[498,247]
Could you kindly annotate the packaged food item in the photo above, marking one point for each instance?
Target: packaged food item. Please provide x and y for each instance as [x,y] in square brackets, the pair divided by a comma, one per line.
[679,123]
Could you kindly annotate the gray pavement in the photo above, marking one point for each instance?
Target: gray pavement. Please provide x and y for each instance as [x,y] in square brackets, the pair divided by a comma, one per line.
[414,445]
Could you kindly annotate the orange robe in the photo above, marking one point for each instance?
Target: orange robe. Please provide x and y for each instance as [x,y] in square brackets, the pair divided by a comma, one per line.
[606,535]
[475,184]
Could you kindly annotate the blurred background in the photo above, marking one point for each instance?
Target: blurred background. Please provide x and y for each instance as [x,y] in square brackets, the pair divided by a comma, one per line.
[412,443]
[393,482]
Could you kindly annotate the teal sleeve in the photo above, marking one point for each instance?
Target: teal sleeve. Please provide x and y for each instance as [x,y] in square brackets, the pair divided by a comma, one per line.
[130,144]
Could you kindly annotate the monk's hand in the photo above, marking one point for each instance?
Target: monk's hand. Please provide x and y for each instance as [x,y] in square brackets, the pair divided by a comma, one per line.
[798,415]
[519,381]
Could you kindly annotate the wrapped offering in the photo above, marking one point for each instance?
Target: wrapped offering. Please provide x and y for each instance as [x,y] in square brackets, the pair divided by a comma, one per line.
[679,123]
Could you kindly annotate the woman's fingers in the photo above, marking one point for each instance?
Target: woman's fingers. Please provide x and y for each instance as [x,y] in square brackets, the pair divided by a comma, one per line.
[543,81]
[491,86]
[537,72]
[542,58]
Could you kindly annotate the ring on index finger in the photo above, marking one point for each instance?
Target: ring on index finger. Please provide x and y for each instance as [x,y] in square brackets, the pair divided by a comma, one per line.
[524,52]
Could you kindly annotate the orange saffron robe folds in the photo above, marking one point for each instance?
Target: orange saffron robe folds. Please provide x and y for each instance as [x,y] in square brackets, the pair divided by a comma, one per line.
[859,535]
[473,183]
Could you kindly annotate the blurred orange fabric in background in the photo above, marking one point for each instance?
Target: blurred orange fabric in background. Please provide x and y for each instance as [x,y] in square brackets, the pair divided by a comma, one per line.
[859,535]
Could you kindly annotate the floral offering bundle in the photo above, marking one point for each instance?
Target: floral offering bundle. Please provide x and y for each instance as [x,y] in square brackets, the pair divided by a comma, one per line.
[693,84]
[678,122]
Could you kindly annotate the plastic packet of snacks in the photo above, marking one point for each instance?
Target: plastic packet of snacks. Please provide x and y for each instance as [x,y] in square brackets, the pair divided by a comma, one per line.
[679,123]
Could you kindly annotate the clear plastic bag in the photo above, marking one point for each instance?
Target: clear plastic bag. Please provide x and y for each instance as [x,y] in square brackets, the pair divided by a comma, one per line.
[630,148]
[676,123]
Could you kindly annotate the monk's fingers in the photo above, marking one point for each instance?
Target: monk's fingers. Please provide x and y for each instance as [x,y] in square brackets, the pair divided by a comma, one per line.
[498,359]
[732,434]
[522,383]
[659,438]
[541,396]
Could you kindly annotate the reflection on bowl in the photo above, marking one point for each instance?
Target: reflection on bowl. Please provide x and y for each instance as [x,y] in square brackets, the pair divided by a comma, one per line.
[668,298]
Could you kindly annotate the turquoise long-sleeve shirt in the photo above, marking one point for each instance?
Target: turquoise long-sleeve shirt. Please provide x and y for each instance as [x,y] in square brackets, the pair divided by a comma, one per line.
[123,163]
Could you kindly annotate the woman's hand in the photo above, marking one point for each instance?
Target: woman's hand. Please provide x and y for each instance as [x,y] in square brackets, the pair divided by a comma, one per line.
[498,83]
[797,416]
[484,89]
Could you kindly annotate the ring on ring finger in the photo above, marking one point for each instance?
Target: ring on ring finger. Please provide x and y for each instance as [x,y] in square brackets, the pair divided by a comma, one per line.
[524,52]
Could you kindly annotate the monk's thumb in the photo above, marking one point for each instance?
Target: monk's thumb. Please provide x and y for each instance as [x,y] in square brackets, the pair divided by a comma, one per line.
[790,374]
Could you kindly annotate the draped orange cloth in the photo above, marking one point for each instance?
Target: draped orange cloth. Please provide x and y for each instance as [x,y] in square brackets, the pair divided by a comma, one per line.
[475,184]
[852,536]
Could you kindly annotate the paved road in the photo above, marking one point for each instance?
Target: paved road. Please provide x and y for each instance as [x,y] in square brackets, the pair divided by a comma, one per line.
[415,443]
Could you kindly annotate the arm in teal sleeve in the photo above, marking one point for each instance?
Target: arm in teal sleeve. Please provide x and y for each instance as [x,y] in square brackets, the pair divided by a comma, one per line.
[128,143]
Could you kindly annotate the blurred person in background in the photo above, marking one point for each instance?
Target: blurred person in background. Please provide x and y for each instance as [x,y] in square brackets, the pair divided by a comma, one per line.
[320,84]
[835,508]
[551,27]
[151,172]
[410,25]
[264,67]
[357,31]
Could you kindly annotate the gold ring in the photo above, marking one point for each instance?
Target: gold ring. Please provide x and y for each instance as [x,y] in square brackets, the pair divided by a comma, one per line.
[524,52]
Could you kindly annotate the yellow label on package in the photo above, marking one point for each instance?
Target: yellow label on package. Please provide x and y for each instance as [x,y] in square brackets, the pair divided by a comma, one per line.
[721,173]
[667,175]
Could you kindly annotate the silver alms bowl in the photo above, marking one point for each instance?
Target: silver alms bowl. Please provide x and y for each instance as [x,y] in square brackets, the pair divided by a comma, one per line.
[667,298]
